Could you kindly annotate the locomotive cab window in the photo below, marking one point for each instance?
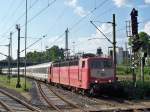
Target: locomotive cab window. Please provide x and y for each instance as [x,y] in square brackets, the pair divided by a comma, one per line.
[101,64]
[107,64]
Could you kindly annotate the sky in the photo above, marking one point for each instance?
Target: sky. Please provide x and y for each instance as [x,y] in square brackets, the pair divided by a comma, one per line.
[50,18]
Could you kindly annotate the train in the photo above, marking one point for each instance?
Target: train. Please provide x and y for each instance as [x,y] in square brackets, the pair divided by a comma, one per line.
[85,74]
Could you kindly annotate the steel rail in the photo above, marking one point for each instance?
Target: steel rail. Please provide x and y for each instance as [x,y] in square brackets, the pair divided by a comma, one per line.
[140,109]
[46,99]
[20,101]
[6,106]
[65,100]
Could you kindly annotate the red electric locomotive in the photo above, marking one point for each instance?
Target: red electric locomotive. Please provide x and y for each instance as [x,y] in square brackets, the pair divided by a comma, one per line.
[84,74]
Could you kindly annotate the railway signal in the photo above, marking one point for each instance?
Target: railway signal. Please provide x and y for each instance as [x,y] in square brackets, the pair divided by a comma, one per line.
[134,21]
[136,43]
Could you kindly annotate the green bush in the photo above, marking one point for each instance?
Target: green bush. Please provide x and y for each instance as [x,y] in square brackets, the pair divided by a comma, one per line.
[147,70]
[141,90]
[123,70]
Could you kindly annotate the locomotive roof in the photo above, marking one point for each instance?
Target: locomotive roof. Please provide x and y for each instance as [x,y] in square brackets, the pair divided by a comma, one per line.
[84,58]
[97,57]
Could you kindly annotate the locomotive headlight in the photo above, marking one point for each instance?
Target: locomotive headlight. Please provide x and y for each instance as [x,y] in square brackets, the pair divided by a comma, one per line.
[103,69]
[109,81]
[96,81]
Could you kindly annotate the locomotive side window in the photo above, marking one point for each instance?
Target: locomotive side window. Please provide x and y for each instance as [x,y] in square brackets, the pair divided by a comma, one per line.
[56,65]
[73,63]
[83,64]
[50,70]
[67,63]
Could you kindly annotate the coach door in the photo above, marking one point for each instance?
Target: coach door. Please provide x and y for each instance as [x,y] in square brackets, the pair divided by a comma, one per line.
[82,65]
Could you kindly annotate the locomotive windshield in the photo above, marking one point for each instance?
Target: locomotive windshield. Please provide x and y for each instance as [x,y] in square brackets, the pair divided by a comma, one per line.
[101,64]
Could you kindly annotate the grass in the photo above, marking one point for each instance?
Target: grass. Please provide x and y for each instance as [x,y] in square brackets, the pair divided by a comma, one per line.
[125,73]
[141,90]
[126,70]
[12,85]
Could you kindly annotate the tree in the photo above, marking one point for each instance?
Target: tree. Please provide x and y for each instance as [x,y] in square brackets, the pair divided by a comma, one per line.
[51,54]
[56,53]
[144,38]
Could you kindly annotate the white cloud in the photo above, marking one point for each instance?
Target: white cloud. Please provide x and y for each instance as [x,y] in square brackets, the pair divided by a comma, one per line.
[92,44]
[79,10]
[147,27]
[142,6]
[86,45]
[106,28]
[130,3]
[83,44]
[71,3]
[147,1]
[120,3]
[54,41]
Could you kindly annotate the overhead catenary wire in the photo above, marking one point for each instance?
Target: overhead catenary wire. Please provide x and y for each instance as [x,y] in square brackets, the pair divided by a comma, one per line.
[89,13]
[20,17]
[3,54]
[6,14]
[101,4]
[42,10]
[13,13]
[106,11]
[101,14]
[33,43]
[36,15]
[80,20]
[19,5]
[101,32]
[72,27]
[57,19]
[108,33]
[60,36]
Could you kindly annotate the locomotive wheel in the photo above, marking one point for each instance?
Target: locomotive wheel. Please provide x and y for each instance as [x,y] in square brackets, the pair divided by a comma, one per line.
[91,92]
[73,90]
[82,92]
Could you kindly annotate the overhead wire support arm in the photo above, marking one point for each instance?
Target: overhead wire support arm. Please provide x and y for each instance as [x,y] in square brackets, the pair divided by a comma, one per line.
[33,43]
[101,32]
[3,54]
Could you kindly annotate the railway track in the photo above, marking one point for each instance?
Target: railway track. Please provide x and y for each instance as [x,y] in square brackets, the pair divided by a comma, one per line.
[85,102]
[104,105]
[10,103]
[57,102]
